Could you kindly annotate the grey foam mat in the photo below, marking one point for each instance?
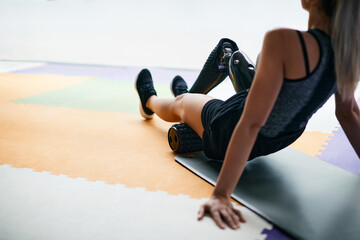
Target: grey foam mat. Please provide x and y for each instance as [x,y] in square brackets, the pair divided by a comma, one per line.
[302,195]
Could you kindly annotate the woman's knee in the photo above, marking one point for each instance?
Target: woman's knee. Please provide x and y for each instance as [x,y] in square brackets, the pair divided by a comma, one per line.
[190,105]
[180,105]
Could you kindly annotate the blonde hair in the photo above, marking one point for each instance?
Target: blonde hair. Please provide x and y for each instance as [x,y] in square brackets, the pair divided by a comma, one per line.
[345,15]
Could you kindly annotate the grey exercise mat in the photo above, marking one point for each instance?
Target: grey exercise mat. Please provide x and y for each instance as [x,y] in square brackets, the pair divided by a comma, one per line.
[302,195]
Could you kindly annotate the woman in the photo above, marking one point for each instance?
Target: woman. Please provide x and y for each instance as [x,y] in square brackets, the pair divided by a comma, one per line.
[296,74]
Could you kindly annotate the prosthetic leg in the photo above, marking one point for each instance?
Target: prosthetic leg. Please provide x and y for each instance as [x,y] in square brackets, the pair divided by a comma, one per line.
[221,62]
[241,71]
[215,69]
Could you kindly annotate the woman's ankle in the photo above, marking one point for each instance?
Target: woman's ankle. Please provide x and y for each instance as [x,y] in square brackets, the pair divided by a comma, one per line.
[150,99]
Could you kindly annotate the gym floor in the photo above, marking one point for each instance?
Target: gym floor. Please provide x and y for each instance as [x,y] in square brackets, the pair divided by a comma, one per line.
[77,161]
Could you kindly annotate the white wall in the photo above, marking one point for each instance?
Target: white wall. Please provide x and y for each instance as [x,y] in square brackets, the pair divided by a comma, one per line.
[164,33]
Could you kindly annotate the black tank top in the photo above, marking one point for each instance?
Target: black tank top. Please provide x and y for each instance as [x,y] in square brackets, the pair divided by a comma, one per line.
[299,99]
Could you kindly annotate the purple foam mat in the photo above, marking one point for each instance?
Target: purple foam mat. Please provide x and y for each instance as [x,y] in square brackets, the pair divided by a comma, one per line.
[160,75]
[275,234]
[339,152]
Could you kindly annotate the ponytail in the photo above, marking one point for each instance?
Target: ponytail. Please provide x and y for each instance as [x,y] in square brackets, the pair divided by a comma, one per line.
[345,16]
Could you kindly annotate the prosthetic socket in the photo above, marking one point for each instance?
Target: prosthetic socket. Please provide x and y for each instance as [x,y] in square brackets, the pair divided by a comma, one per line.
[225,60]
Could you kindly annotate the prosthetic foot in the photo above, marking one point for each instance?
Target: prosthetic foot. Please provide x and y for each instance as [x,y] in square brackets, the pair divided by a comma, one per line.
[215,69]
[182,139]
[241,71]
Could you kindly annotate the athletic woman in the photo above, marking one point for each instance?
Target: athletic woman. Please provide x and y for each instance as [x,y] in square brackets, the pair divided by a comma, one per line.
[296,74]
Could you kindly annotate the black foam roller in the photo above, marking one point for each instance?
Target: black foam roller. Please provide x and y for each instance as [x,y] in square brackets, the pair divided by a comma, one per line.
[183,139]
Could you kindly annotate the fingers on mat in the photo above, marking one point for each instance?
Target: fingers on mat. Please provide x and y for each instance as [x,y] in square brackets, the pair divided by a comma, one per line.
[201,212]
[238,213]
[227,216]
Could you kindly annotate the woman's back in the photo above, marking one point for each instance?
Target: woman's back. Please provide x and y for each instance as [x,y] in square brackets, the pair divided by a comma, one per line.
[309,82]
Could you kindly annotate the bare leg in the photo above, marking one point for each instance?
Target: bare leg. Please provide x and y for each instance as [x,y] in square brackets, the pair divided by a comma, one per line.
[184,108]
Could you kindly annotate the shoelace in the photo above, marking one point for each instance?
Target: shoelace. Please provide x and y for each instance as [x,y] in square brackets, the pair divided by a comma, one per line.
[146,88]
[181,89]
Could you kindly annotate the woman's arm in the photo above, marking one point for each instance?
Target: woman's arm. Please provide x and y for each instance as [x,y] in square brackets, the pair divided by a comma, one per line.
[262,96]
[348,114]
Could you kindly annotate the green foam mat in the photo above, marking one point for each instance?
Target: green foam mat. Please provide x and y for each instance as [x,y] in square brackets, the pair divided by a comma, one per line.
[95,94]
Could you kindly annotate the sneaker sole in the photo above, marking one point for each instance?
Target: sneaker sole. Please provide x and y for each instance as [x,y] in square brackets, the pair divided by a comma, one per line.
[143,114]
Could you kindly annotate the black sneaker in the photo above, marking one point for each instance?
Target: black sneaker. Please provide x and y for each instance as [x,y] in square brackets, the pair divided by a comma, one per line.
[145,87]
[178,86]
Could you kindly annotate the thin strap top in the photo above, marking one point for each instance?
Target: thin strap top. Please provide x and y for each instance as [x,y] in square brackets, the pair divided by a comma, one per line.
[298,100]
[303,46]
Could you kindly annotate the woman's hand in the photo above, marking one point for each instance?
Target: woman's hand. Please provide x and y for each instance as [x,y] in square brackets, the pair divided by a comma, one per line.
[221,209]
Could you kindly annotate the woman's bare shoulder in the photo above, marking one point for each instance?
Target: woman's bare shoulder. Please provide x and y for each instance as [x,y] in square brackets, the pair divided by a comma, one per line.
[283,31]
[281,41]
[285,35]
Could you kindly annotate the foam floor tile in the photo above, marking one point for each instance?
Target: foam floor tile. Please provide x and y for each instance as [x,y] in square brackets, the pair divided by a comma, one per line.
[95,94]
[160,75]
[311,142]
[10,66]
[339,152]
[14,86]
[105,146]
[42,206]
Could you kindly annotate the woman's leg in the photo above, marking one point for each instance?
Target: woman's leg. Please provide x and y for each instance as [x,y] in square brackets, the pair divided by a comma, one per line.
[241,71]
[215,69]
[224,60]
[184,108]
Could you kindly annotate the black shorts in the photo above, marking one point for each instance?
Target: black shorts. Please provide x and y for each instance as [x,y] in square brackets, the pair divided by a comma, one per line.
[219,119]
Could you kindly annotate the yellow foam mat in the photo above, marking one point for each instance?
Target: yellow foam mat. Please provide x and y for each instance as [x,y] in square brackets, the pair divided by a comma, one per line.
[311,142]
[111,147]
[14,85]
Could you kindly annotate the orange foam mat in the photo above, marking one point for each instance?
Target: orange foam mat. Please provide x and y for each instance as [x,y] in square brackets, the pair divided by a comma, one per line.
[311,142]
[116,148]
[16,85]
